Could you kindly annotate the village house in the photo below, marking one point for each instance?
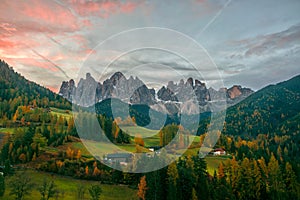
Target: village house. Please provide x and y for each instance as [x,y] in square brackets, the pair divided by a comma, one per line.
[122,158]
[218,152]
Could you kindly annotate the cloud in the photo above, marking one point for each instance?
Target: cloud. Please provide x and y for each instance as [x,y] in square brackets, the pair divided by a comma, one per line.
[257,61]
[272,43]
[102,9]
[38,16]
[244,40]
[266,45]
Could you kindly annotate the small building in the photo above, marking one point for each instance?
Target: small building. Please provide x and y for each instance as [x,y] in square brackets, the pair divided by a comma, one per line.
[218,152]
[154,148]
[119,157]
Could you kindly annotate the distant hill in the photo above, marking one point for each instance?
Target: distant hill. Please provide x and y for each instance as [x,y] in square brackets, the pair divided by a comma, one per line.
[273,109]
[15,90]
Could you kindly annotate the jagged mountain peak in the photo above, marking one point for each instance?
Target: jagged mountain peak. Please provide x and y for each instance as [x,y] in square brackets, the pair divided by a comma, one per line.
[117,77]
[134,91]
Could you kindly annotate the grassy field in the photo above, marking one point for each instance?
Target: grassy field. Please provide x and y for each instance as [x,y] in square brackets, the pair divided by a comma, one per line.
[7,130]
[213,163]
[60,112]
[69,186]
[101,148]
[133,130]
[150,137]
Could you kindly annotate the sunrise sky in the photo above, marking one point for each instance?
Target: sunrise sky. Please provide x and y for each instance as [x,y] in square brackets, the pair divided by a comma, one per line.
[253,43]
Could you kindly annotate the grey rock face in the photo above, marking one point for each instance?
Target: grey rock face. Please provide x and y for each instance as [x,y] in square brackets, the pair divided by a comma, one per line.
[166,94]
[187,97]
[142,95]
[68,89]
[85,94]
[89,91]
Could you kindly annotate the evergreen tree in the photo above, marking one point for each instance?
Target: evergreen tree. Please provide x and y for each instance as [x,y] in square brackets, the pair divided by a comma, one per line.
[292,187]
[95,192]
[276,185]
[20,186]
[154,185]
[2,185]
[201,178]
[172,177]
[47,190]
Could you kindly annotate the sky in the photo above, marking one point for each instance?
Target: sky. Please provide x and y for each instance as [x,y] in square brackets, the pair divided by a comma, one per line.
[249,43]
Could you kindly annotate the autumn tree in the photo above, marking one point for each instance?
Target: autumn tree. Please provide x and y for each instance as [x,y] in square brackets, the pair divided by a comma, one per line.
[138,139]
[142,186]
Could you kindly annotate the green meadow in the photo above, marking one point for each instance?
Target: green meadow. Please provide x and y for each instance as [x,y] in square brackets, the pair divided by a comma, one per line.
[67,188]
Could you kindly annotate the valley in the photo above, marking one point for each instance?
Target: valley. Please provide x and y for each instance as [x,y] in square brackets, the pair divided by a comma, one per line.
[259,146]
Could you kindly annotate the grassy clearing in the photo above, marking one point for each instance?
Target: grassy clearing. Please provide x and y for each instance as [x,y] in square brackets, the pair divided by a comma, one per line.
[60,112]
[133,130]
[7,130]
[213,163]
[69,187]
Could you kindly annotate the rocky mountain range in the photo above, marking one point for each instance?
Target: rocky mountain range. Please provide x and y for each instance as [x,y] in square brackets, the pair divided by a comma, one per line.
[189,97]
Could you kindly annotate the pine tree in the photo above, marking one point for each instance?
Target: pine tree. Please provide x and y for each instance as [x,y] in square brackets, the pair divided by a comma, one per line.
[259,186]
[95,192]
[201,178]
[154,184]
[223,188]
[276,184]
[194,194]
[172,174]
[2,185]
[290,179]
[245,182]
[47,190]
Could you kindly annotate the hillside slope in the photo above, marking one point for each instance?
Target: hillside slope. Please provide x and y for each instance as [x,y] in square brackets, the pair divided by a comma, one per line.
[15,90]
[267,111]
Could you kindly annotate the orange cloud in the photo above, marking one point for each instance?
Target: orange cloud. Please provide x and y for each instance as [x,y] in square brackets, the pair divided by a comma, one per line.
[6,44]
[53,89]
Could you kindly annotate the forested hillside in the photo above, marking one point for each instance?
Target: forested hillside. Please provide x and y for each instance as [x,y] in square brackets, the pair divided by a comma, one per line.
[15,90]
[272,110]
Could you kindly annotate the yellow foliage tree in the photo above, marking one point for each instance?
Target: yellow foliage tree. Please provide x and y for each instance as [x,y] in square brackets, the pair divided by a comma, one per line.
[22,157]
[142,188]
[139,140]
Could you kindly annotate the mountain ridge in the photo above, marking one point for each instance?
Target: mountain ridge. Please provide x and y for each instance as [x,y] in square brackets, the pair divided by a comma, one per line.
[134,91]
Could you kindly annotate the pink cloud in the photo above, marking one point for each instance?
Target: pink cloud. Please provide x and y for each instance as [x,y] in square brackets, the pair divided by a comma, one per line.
[129,7]
[6,44]
[31,62]
[52,29]
[102,8]
[39,16]
[52,88]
